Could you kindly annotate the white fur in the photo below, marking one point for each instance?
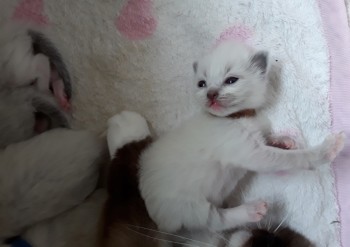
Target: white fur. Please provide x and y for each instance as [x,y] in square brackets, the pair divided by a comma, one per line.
[124,128]
[146,81]
[239,238]
[46,175]
[76,227]
[186,174]
[18,65]
[232,59]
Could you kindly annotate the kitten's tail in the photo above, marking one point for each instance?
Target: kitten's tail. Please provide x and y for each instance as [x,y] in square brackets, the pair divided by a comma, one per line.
[127,136]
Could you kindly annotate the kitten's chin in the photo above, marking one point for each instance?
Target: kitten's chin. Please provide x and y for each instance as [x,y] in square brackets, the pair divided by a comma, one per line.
[225,112]
[219,111]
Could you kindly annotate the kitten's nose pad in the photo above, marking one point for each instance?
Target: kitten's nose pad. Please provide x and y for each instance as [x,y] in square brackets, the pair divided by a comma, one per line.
[212,94]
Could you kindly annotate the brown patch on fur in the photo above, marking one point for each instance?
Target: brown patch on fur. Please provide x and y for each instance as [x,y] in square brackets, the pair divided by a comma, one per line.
[125,210]
[285,237]
[243,113]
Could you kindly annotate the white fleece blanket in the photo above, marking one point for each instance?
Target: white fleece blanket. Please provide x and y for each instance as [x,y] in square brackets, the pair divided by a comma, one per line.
[137,55]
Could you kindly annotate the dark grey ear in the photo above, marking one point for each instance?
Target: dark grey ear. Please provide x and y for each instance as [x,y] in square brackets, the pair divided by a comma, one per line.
[260,61]
[41,44]
[195,66]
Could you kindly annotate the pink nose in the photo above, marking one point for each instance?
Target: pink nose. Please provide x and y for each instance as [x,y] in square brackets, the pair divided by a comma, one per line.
[212,94]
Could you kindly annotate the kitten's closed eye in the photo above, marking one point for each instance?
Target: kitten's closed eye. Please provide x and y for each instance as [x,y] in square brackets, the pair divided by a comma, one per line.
[231,80]
[202,83]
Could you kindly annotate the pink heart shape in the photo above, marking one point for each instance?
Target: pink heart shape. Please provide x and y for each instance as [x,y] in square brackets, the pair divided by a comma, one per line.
[135,20]
[240,33]
[31,11]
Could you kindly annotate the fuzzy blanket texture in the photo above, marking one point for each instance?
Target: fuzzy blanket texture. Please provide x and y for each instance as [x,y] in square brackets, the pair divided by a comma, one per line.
[137,55]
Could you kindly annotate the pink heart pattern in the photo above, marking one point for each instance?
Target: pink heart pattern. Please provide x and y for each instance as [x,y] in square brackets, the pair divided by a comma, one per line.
[135,21]
[31,11]
[238,32]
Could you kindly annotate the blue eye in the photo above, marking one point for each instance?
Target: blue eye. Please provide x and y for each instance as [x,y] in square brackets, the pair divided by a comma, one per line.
[231,80]
[202,84]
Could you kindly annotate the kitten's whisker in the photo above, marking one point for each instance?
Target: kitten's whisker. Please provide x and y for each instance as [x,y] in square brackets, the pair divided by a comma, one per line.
[246,228]
[280,224]
[264,224]
[259,225]
[221,237]
[243,195]
[269,225]
[164,240]
[170,234]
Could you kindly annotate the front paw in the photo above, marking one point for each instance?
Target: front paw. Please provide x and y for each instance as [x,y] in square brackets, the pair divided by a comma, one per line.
[283,142]
[333,145]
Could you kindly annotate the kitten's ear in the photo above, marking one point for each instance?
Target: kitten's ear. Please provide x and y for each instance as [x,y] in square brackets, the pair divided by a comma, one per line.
[195,66]
[260,60]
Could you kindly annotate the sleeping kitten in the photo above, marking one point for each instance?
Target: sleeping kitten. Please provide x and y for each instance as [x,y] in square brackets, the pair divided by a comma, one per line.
[27,58]
[187,174]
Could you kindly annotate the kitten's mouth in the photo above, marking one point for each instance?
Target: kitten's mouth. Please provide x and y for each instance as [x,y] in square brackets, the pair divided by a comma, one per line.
[215,105]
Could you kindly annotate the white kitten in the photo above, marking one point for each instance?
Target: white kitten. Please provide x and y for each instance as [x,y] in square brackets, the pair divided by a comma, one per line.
[19,66]
[186,174]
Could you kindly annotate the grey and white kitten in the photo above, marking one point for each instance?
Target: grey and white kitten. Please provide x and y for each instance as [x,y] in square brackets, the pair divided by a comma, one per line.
[186,174]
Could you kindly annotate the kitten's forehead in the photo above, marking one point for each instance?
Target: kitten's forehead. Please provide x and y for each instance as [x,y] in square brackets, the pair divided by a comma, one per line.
[227,56]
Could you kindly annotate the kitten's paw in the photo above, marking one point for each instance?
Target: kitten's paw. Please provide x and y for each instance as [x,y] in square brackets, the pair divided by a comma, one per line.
[124,128]
[333,144]
[283,142]
[256,210]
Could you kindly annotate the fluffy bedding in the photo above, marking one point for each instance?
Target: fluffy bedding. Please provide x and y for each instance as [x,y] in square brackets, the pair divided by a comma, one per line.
[137,55]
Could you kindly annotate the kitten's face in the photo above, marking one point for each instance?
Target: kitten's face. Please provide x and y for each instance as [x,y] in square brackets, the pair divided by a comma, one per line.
[231,78]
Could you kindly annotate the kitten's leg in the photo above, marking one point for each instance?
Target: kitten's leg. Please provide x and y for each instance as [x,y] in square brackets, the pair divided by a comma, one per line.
[172,216]
[225,219]
[41,71]
[124,128]
[267,159]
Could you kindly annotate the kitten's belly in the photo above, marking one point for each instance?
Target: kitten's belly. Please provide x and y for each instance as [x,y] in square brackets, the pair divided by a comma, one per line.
[184,163]
[222,184]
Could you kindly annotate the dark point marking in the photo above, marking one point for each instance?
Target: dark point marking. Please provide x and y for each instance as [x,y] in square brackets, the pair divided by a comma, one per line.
[42,44]
[260,61]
